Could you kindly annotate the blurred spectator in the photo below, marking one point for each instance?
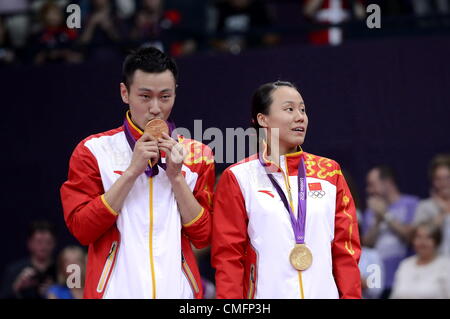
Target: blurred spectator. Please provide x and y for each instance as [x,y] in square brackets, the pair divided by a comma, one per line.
[55,41]
[429,10]
[30,277]
[102,25]
[158,27]
[7,54]
[425,275]
[71,255]
[13,6]
[16,20]
[387,220]
[370,264]
[430,7]
[125,8]
[437,208]
[240,24]
[393,8]
[146,29]
[329,13]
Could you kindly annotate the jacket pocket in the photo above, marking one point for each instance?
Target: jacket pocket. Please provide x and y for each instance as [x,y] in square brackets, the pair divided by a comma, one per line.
[107,267]
[189,275]
[251,284]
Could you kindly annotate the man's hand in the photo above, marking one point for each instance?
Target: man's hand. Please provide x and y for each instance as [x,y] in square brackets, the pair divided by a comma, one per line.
[175,154]
[378,206]
[188,205]
[26,279]
[145,150]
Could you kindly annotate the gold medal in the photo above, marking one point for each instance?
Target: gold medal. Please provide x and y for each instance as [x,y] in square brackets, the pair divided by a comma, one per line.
[155,128]
[301,257]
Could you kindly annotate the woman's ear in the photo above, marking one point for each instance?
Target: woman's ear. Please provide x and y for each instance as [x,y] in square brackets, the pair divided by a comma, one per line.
[262,120]
[124,93]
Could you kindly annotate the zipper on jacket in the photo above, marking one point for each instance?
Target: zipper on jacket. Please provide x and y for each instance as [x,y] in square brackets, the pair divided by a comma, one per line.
[190,276]
[251,286]
[107,267]
[300,279]
[152,266]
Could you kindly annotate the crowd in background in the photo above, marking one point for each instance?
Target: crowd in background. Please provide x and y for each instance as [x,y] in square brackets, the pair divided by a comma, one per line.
[35,31]
[408,238]
[405,246]
[405,240]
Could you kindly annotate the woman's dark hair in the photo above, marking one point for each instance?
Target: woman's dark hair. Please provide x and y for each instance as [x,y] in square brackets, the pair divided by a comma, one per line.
[150,60]
[262,99]
[434,232]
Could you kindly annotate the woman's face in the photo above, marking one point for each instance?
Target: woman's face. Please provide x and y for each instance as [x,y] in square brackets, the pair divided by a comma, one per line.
[441,181]
[424,244]
[287,120]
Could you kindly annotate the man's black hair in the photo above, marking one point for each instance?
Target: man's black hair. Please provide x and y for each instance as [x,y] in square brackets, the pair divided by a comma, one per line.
[387,172]
[41,226]
[150,60]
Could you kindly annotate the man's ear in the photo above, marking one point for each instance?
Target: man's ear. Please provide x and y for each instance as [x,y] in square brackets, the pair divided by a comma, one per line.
[124,93]
[262,121]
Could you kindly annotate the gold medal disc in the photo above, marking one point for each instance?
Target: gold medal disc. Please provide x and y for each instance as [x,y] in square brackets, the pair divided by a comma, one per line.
[301,257]
[155,128]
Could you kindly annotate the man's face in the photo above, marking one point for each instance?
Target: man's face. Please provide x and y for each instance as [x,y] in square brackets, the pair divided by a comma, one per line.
[441,181]
[150,96]
[375,185]
[41,245]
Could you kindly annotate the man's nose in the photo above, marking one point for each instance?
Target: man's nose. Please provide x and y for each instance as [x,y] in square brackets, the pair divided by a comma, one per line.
[154,107]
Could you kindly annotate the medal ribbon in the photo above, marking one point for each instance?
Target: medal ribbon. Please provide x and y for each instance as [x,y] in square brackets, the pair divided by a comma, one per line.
[149,171]
[298,225]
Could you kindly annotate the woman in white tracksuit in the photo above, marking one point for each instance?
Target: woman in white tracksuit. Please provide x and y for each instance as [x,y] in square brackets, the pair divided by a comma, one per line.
[284,223]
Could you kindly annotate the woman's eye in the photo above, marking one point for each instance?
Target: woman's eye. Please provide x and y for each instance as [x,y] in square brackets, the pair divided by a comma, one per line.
[290,109]
[145,96]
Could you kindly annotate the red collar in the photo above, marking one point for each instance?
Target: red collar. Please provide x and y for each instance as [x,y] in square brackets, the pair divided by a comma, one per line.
[134,129]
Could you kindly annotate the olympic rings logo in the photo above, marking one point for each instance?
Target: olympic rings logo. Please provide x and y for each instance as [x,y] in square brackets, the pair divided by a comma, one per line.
[316,194]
